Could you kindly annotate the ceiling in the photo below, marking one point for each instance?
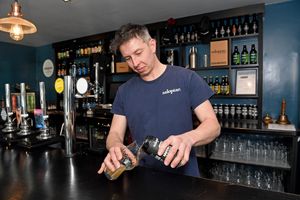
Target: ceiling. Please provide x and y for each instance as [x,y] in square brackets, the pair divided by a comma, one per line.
[58,21]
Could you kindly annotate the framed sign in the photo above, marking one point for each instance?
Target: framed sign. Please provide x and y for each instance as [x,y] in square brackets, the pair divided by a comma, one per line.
[219,53]
[48,68]
[246,82]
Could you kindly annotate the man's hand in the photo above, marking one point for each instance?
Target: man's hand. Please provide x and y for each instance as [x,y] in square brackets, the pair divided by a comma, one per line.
[179,153]
[112,160]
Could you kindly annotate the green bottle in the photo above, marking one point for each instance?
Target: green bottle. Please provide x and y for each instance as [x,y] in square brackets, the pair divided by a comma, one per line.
[245,56]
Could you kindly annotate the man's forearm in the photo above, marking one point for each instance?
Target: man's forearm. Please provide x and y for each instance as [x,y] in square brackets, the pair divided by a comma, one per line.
[206,132]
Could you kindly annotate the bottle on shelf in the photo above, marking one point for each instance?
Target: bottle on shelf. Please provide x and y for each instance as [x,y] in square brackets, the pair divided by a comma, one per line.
[246,25]
[228,27]
[217,86]
[216,32]
[212,28]
[245,56]
[211,83]
[193,57]
[227,86]
[254,24]
[222,28]
[223,86]
[234,27]
[253,55]
[236,60]
[58,70]
[112,64]
[239,26]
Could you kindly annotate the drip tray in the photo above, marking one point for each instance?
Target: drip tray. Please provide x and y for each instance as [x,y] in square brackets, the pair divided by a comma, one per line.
[32,142]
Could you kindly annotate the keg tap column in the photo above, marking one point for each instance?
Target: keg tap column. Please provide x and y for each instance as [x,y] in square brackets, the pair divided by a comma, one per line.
[10,126]
[44,131]
[98,90]
[69,116]
[24,126]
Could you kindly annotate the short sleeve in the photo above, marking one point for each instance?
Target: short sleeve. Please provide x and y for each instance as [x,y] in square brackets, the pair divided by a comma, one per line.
[118,104]
[199,90]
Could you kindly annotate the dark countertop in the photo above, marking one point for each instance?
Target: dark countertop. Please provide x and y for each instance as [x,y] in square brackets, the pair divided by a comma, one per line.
[46,174]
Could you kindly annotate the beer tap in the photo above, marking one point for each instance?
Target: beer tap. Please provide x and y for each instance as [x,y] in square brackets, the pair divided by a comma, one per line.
[98,90]
[10,126]
[44,131]
[24,126]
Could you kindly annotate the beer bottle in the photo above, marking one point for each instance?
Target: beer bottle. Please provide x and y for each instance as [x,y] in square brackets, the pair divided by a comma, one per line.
[210,83]
[223,85]
[217,86]
[245,56]
[236,56]
[227,86]
[253,55]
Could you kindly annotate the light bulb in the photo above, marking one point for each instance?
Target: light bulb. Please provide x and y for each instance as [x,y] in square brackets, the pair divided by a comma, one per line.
[16,32]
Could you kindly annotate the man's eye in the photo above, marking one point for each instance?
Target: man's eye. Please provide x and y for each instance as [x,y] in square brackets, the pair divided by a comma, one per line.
[127,58]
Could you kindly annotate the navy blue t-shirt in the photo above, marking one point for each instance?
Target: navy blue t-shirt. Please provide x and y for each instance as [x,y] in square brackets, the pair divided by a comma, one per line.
[161,108]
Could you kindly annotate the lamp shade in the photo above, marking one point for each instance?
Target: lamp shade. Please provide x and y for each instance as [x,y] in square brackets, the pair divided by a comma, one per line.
[15,25]
[7,23]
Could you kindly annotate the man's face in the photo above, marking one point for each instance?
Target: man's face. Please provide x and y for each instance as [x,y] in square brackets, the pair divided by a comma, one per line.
[139,55]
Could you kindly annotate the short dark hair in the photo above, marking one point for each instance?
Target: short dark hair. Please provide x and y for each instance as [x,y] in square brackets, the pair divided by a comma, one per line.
[127,32]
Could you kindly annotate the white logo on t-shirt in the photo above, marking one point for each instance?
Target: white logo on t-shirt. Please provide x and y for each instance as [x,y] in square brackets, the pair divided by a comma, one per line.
[171,91]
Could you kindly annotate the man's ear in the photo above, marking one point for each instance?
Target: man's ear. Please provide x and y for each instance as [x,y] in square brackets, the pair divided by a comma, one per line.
[152,44]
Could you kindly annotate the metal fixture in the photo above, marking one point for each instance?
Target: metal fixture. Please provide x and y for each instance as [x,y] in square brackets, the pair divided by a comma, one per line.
[69,116]
[15,25]
[44,131]
[10,126]
[24,126]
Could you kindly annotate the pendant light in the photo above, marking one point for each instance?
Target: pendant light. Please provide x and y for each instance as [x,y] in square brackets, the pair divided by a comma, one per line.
[15,25]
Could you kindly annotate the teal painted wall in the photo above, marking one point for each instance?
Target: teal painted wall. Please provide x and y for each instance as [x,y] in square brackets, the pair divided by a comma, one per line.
[43,53]
[281,59]
[17,64]
[20,63]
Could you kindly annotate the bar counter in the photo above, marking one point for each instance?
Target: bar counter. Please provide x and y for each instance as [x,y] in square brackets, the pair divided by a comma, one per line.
[45,173]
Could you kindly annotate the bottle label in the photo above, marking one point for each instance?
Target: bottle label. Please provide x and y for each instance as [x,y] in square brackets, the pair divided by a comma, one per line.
[253,58]
[236,59]
[245,58]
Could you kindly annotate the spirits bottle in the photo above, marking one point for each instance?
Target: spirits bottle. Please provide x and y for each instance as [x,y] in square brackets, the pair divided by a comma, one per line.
[245,56]
[234,27]
[246,25]
[151,145]
[254,24]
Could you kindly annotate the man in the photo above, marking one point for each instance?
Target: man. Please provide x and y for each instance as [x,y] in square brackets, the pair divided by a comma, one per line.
[159,102]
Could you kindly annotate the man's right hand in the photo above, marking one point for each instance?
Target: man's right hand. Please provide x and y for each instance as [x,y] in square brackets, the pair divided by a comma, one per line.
[112,159]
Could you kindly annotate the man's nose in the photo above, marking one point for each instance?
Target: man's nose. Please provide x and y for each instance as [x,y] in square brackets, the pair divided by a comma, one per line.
[135,61]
